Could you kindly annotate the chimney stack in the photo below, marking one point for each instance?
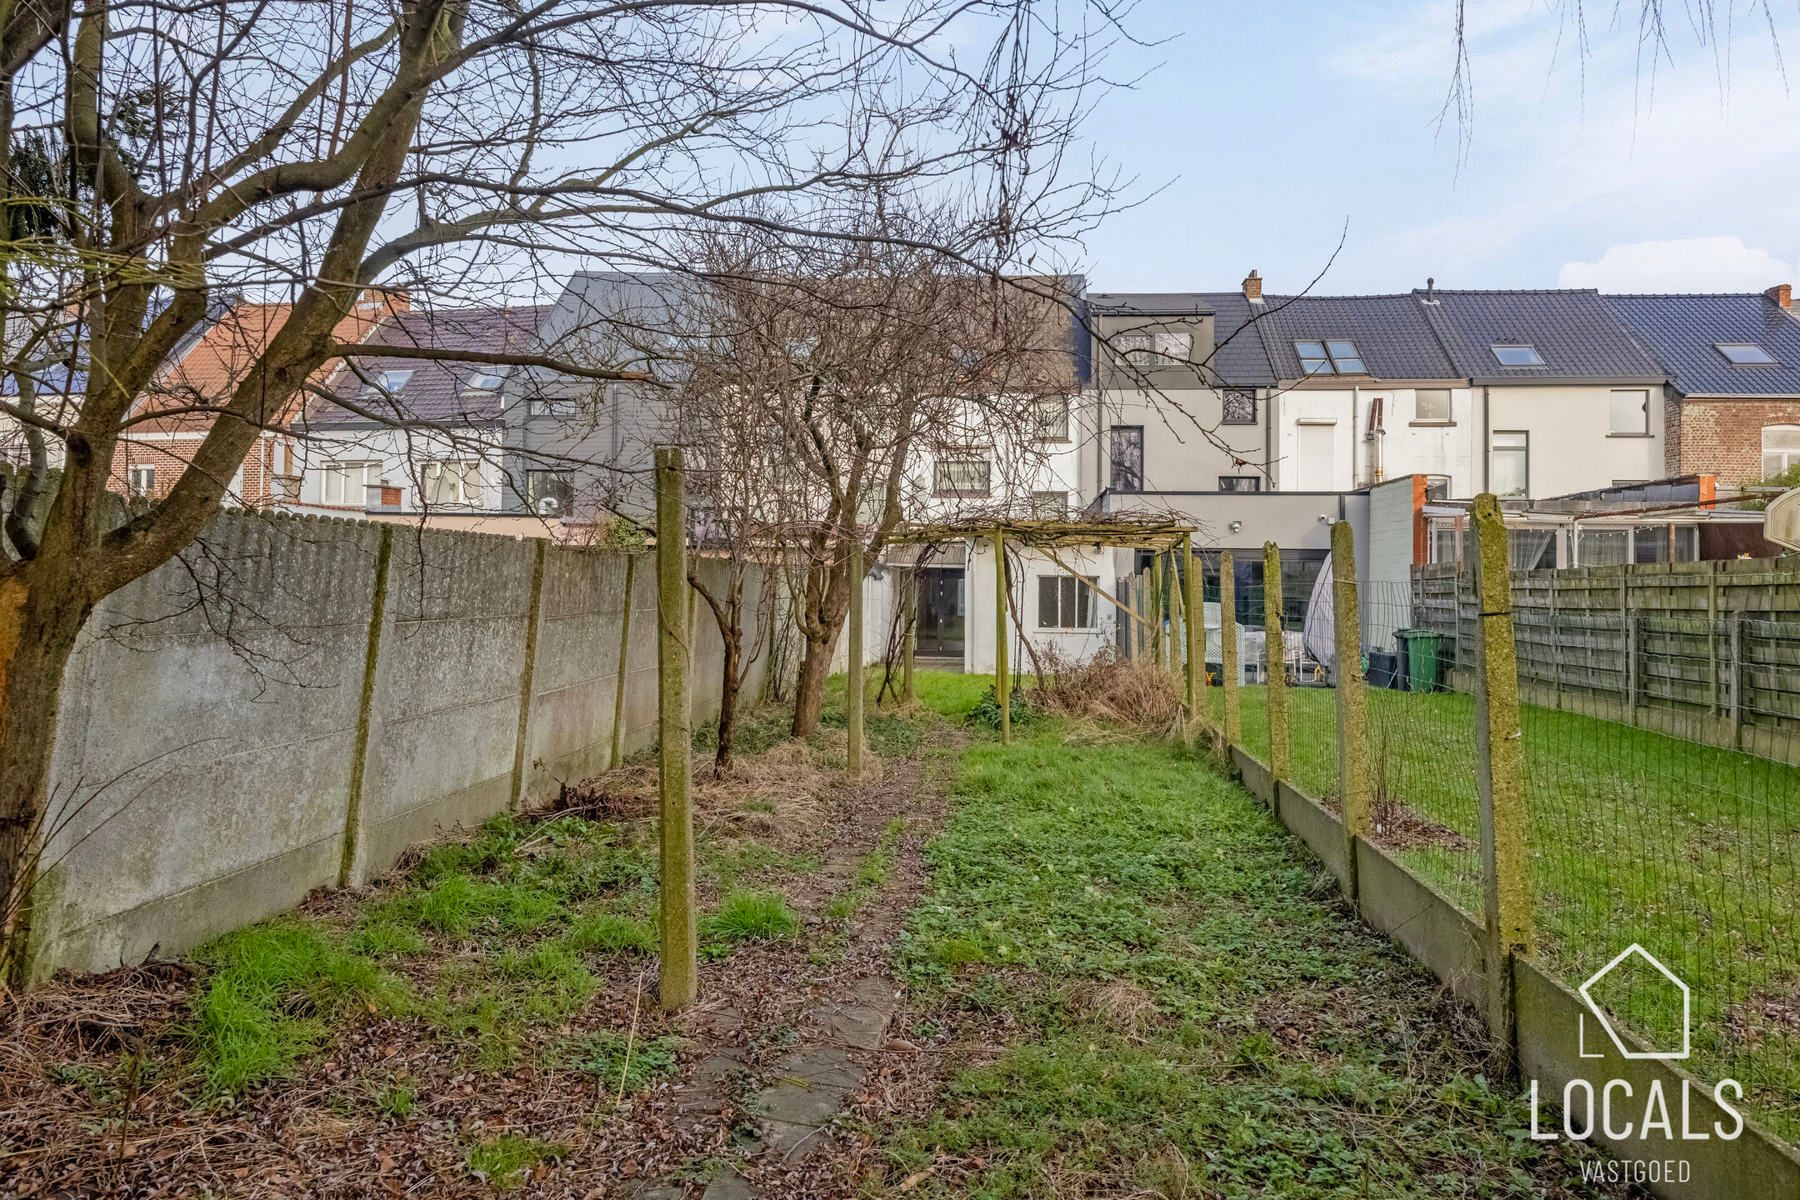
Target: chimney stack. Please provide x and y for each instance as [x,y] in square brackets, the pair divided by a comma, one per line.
[1781,293]
[1253,287]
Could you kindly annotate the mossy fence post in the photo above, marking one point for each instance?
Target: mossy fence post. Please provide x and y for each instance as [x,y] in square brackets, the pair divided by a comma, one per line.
[1229,668]
[909,580]
[1002,673]
[1194,625]
[679,969]
[853,664]
[1355,785]
[1275,664]
[1499,773]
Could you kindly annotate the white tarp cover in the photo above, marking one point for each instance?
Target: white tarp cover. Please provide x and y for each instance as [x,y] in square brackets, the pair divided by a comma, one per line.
[1319,635]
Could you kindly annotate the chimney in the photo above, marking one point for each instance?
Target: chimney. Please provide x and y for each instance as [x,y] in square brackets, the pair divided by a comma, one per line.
[1781,293]
[1253,287]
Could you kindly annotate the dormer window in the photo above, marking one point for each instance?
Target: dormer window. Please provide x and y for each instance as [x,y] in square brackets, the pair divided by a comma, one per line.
[1745,354]
[1518,355]
[1330,357]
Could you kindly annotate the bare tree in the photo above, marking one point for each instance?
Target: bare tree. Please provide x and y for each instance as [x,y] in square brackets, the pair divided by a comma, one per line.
[159,158]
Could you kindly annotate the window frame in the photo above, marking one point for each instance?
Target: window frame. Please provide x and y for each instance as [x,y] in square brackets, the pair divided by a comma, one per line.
[1790,454]
[431,475]
[1529,347]
[1449,417]
[532,499]
[1113,436]
[472,382]
[383,384]
[1612,416]
[1330,359]
[1255,482]
[343,467]
[1069,597]
[140,490]
[1055,430]
[940,479]
[1245,395]
[1523,450]
[1767,359]
[1041,504]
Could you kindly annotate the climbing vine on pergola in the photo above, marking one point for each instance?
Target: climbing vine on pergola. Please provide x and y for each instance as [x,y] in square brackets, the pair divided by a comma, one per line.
[1157,535]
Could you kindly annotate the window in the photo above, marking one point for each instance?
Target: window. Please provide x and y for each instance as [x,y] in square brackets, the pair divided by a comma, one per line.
[1446,542]
[1238,407]
[545,406]
[961,477]
[349,482]
[1065,602]
[1240,483]
[1437,487]
[393,381]
[1431,406]
[1600,547]
[1330,357]
[1510,456]
[549,493]
[1053,419]
[1125,446]
[452,481]
[1531,549]
[141,481]
[1650,544]
[1630,413]
[1049,504]
[1147,351]
[485,381]
[1780,448]
[1518,356]
[1745,354]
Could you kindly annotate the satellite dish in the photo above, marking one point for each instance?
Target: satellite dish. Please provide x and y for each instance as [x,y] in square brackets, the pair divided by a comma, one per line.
[1781,520]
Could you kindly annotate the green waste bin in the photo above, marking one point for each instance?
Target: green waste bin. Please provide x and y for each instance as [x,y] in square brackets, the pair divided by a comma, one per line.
[1419,652]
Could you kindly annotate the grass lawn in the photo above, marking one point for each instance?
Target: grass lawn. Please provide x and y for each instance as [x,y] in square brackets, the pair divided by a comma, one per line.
[1691,851]
[1158,991]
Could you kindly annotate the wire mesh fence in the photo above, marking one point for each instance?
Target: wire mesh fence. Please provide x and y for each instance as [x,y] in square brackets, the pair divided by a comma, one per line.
[1664,809]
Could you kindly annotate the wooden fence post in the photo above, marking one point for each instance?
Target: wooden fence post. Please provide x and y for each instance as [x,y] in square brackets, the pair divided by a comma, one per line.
[1228,649]
[1157,604]
[910,648]
[1355,785]
[1002,672]
[618,726]
[1499,772]
[1280,742]
[853,665]
[1194,624]
[679,968]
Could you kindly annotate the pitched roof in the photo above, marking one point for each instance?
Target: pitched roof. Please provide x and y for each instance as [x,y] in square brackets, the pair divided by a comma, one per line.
[1573,330]
[1684,332]
[430,390]
[1238,355]
[1391,334]
[210,368]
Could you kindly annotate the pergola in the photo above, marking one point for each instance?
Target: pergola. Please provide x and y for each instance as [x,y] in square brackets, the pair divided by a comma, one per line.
[1160,536]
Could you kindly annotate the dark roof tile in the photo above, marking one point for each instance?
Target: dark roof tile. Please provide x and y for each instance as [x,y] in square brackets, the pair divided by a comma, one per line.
[1684,332]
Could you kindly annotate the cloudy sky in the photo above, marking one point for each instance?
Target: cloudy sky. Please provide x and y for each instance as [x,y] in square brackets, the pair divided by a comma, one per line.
[1275,124]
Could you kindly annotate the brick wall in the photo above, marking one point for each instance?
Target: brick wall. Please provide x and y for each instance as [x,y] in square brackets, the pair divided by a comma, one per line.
[1724,437]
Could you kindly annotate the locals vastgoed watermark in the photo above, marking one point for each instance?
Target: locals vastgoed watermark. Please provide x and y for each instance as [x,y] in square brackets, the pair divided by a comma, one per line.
[1614,1109]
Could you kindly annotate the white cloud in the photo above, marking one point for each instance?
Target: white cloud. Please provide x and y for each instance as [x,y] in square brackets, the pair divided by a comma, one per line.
[1695,264]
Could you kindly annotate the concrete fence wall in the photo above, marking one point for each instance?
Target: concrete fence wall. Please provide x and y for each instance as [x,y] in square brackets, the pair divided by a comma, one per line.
[294,702]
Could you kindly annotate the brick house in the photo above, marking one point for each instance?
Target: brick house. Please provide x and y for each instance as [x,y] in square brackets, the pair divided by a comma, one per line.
[1733,400]
[162,442]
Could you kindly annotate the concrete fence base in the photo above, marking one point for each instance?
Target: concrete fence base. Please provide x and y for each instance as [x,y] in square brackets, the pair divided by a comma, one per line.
[297,701]
[1548,1042]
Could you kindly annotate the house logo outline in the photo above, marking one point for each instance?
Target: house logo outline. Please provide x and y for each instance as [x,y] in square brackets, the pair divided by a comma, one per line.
[1612,1033]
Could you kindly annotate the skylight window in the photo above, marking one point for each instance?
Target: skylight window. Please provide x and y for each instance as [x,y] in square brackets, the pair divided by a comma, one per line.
[1330,358]
[393,381]
[1745,354]
[486,381]
[1518,356]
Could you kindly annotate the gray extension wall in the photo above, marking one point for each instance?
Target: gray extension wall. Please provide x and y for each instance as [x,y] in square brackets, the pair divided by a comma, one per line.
[227,745]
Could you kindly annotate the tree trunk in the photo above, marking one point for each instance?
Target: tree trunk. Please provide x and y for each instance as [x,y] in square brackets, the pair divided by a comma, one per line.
[38,628]
[729,687]
[809,688]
